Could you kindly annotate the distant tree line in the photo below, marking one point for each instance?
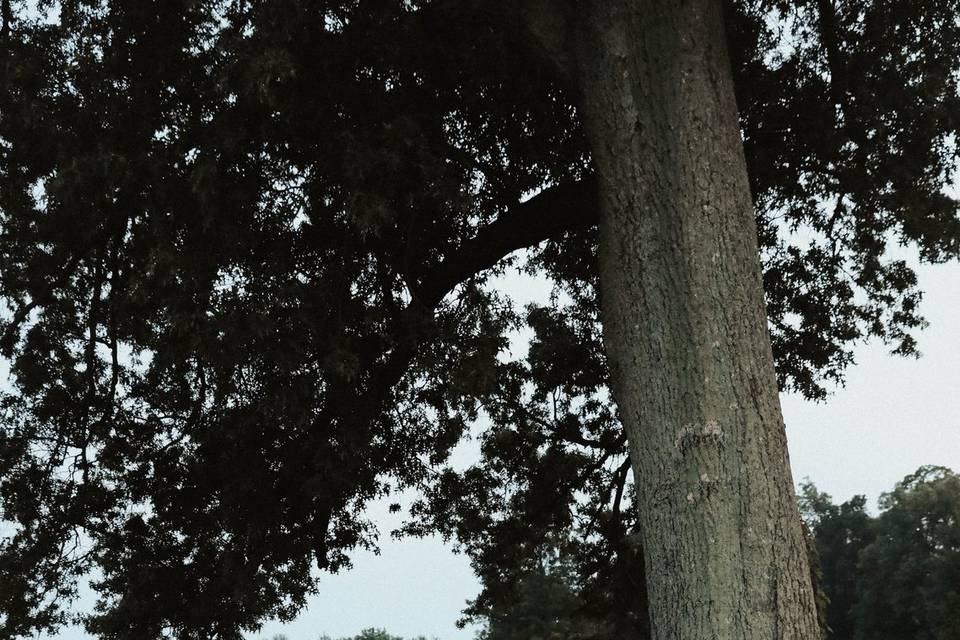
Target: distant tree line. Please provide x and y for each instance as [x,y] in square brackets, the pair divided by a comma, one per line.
[896,575]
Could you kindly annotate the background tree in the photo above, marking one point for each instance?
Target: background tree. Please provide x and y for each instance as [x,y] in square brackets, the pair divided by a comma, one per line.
[373,634]
[244,254]
[840,533]
[895,575]
[909,584]
[544,606]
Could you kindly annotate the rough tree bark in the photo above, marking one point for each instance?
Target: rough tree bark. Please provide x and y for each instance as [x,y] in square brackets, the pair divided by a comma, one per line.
[685,325]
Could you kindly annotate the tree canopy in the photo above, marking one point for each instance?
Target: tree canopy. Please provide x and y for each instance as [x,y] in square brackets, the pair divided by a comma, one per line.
[245,258]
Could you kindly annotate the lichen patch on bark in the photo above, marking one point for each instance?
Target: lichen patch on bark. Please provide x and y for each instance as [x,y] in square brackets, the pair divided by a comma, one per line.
[693,435]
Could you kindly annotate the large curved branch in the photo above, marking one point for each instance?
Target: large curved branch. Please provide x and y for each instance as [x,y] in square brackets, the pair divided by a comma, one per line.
[549,214]
[552,212]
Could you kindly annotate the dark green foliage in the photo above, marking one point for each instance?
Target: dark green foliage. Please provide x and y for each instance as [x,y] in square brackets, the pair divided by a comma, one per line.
[864,161]
[372,634]
[214,215]
[554,477]
[840,533]
[243,252]
[909,583]
[897,575]
[545,607]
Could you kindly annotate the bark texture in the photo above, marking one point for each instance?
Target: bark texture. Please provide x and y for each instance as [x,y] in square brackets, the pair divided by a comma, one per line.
[685,324]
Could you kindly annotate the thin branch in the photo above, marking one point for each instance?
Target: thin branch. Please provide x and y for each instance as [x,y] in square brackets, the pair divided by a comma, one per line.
[602,460]
[7,18]
[618,483]
[91,361]
[828,27]
[620,477]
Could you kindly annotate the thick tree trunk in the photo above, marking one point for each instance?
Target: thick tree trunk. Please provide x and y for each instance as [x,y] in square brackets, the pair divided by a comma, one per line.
[685,325]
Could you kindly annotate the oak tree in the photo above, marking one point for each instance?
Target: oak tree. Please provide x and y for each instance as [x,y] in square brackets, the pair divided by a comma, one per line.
[245,255]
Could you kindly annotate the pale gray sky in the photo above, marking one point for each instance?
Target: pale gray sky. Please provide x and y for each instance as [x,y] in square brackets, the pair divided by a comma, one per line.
[893,415]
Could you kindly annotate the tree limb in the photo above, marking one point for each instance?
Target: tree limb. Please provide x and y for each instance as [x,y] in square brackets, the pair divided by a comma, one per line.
[552,212]
[549,214]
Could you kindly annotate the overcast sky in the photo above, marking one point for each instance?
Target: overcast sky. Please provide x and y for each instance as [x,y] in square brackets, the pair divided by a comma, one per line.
[894,415]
